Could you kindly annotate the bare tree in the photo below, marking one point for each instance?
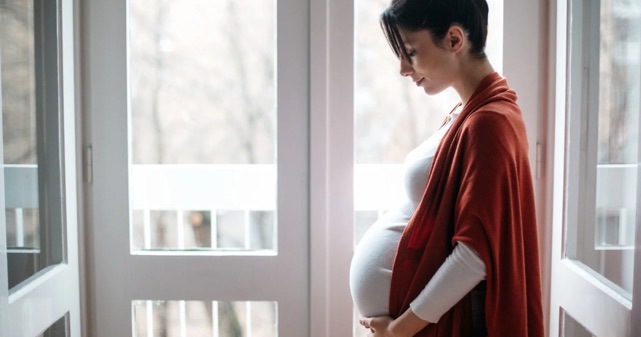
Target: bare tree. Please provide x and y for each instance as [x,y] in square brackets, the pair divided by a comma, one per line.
[17,62]
[616,134]
[252,122]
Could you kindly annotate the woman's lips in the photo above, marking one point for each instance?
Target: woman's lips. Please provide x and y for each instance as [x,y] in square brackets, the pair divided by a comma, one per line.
[418,83]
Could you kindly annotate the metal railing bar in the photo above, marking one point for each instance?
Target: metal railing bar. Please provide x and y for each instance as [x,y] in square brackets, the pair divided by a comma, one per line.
[247,229]
[214,229]
[150,318]
[182,312]
[181,228]
[20,227]
[214,319]
[248,307]
[147,228]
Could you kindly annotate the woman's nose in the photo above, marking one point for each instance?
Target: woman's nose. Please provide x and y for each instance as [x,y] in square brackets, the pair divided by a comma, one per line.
[406,67]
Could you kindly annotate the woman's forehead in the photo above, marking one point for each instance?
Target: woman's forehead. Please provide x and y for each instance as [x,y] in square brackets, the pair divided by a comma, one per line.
[409,37]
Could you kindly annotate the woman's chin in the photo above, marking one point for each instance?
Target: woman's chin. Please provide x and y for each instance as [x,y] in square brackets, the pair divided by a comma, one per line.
[432,91]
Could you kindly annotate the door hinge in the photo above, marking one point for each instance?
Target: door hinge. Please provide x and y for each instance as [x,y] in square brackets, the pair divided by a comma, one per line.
[88,164]
[539,160]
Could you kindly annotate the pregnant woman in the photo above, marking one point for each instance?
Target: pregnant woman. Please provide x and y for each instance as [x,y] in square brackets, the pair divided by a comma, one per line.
[459,257]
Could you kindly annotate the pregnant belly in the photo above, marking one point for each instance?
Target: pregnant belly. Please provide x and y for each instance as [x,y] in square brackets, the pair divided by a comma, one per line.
[371,268]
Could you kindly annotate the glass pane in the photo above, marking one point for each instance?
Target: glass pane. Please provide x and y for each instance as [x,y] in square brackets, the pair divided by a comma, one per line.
[202,82]
[31,135]
[572,328]
[57,329]
[362,221]
[604,119]
[206,319]
[391,117]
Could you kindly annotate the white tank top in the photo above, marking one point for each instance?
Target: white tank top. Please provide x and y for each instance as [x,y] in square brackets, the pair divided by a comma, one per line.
[371,268]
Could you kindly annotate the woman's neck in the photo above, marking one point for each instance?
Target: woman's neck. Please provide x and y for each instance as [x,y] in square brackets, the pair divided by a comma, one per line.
[472,73]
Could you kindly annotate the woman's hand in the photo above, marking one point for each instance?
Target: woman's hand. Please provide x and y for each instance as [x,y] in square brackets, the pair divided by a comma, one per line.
[407,325]
[378,326]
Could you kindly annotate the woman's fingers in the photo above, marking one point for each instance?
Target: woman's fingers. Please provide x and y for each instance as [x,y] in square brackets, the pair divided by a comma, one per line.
[365,322]
[371,323]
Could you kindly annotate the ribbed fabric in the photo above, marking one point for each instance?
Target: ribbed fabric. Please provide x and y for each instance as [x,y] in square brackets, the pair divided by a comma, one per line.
[458,275]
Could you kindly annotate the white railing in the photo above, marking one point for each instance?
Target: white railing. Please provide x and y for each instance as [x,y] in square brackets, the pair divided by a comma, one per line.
[616,203]
[246,188]
[21,194]
[184,321]
[211,188]
[193,187]
[239,187]
[376,188]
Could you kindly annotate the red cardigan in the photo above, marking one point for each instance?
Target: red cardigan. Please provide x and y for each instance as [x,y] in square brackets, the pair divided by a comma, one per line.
[479,192]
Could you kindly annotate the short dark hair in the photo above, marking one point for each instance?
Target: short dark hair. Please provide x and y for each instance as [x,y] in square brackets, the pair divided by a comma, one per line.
[436,16]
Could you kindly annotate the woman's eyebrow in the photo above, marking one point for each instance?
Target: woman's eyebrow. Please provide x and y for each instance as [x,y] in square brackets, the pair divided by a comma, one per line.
[407,43]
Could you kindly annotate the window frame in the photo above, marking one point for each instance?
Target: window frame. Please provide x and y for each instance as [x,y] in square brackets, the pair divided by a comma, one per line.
[206,277]
[577,291]
[52,294]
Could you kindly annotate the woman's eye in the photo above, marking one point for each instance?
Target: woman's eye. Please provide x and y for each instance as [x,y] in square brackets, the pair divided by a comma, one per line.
[411,53]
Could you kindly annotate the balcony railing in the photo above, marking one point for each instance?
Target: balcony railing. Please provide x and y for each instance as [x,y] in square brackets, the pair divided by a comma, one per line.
[216,189]
[21,198]
[244,189]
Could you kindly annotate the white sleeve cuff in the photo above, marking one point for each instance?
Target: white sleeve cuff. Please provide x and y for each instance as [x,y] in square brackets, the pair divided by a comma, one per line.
[458,275]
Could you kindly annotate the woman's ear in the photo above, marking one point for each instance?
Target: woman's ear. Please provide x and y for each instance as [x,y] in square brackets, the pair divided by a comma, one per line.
[455,39]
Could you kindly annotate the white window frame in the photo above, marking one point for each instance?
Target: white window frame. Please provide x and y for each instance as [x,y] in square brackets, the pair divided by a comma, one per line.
[331,160]
[283,277]
[584,296]
[52,293]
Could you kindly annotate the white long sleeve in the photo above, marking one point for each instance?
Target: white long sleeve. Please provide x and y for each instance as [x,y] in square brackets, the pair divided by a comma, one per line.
[458,275]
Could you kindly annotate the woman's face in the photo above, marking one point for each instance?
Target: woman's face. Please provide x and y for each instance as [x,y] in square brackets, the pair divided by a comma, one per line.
[430,66]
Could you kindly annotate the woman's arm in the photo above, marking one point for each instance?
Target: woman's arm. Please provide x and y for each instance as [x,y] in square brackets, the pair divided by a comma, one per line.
[458,275]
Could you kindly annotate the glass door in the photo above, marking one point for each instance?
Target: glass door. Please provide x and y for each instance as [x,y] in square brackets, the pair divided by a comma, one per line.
[597,169]
[39,288]
[197,167]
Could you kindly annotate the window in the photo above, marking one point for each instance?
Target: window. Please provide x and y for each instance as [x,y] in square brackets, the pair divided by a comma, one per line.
[39,278]
[202,82]
[29,51]
[198,162]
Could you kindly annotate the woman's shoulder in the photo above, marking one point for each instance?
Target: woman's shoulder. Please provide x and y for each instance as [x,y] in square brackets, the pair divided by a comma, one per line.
[495,114]
[495,125]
